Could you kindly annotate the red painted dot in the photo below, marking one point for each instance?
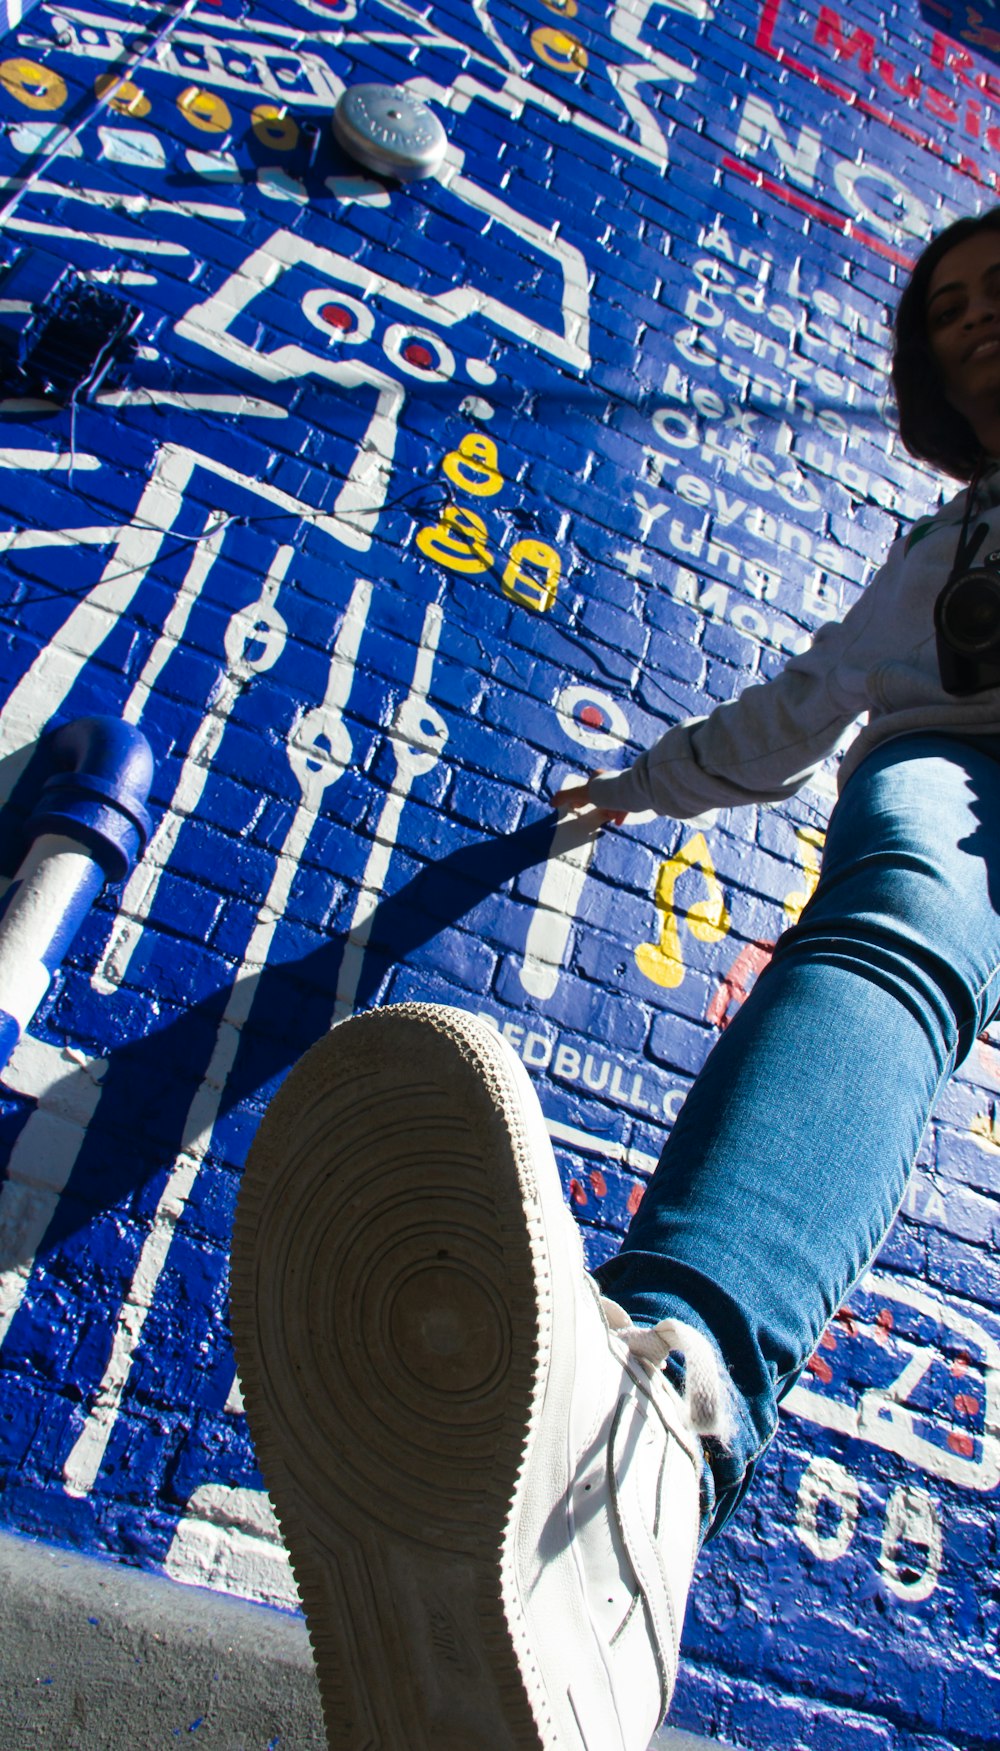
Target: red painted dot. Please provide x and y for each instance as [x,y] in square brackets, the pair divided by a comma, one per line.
[337,317]
[965,1404]
[846,1318]
[828,1341]
[591,714]
[960,1364]
[960,1443]
[416,354]
[635,1199]
[577,1192]
[598,1183]
[822,1370]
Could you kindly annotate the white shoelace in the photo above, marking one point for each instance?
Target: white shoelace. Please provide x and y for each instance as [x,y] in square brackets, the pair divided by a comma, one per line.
[706,1391]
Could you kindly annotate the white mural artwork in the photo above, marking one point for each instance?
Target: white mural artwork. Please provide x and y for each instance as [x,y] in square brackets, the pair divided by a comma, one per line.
[405,504]
[259,625]
[319,750]
[891,1417]
[419,734]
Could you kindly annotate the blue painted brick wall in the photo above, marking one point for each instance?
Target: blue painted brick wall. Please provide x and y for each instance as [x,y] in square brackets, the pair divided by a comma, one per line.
[246,543]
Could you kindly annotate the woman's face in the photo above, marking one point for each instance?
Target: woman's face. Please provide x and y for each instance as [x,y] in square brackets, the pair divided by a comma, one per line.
[963,328]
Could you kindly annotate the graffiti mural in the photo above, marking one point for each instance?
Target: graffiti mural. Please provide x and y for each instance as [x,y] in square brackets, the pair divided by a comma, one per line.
[406,503]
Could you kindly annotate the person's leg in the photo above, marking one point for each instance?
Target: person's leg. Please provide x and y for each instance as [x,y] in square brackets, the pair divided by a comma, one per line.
[790,1157]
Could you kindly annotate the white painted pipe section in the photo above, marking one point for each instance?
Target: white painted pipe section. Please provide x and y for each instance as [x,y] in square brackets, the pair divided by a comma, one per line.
[67,1087]
[88,826]
[42,911]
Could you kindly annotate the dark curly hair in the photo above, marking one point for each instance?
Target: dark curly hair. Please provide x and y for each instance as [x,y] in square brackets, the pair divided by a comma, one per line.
[928,425]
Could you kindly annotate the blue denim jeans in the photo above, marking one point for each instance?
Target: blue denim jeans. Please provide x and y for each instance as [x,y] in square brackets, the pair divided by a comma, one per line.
[791,1154]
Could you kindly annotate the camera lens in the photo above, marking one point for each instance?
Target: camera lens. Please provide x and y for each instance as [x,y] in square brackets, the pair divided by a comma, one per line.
[970,613]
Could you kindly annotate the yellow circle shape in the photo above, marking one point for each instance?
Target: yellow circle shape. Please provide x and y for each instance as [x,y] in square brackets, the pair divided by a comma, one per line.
[126,98]
[273,128]
[559,49]
[205,110]
[35,86]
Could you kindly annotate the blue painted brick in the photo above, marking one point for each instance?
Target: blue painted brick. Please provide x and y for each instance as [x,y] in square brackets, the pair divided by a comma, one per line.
[461,889]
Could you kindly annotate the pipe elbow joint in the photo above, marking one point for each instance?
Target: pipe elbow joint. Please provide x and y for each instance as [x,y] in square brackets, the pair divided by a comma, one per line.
[100,772]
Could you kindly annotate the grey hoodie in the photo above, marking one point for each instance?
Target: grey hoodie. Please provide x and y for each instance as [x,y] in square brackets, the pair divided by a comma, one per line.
[881,659]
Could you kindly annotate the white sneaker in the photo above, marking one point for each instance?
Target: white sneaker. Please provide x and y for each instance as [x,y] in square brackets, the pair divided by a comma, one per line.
[489,1498]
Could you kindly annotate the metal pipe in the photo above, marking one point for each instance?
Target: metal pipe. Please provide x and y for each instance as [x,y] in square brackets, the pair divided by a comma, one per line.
[88,827]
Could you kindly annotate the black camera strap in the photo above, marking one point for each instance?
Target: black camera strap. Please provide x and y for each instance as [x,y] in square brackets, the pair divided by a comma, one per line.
[967,611]
[969,545]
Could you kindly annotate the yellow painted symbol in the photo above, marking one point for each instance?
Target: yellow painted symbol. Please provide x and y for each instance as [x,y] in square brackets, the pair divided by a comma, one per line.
[274,128]
[985,1128]
[811,841]
[707,919]
[205,110]
[35,86]
[517,581]
[473,466]
[559,49]
[458,541]
[124,97]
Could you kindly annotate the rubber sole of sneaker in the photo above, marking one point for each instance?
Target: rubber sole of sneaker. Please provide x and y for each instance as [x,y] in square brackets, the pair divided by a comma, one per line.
[390,1308]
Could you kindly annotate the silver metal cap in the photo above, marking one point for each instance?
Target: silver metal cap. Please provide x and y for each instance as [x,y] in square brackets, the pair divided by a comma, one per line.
[389,131]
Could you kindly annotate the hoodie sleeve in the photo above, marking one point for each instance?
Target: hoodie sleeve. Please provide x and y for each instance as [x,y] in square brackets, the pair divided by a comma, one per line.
[765,744]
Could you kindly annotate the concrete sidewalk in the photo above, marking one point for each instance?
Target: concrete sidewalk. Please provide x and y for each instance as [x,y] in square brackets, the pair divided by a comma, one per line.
[100,1657]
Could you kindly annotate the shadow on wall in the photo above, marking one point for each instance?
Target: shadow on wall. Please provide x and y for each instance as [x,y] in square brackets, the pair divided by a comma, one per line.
[149,1080]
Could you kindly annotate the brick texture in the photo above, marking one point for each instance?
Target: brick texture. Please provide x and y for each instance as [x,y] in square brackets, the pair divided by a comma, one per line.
[412,501]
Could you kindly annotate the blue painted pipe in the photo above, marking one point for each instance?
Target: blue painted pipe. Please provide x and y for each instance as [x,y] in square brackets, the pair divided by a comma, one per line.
[101,771]
[88,827]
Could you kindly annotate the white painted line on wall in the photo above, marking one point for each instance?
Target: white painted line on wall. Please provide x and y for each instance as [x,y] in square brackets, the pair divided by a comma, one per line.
[203,558]
[102,239]
[419,734]
[135,206]
[316,767]
[47,461]
[45,686]
[140,891]
[587,1144]
[229,1539]
[489,30]
[118,277]
[247,406]
[95,535]
[570,857]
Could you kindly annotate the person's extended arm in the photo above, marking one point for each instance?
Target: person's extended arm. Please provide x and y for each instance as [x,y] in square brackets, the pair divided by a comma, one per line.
[760,747]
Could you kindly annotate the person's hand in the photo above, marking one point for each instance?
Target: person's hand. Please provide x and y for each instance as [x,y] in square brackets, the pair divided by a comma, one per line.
[575,794]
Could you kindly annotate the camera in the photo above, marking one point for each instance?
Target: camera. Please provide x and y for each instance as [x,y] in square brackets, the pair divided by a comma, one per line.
[967,625]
